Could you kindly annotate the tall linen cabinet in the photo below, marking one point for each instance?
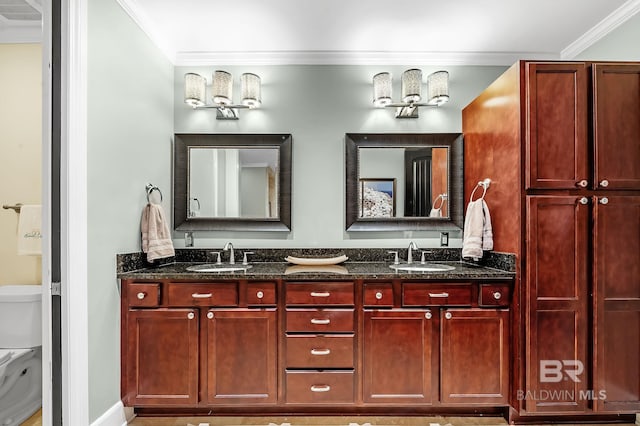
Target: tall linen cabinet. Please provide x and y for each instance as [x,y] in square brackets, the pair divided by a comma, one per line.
[561,143]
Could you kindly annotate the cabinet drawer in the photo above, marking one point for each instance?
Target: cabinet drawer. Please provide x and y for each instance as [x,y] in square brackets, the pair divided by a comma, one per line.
[211,294]
[143,294]
[494,295]
[434,295]
[261,294]
[320,293]
[320,351]
[320,320]
[378,295]
[327,387]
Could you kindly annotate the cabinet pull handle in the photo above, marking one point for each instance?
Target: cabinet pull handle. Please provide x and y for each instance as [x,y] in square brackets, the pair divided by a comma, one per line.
[259,295]
[320,294]
[497,295]
[201,295]
[604,200]
[191,315]
[583,183]
[443,294]
[379,295]
[604,183]
[583,201]
[320,388]
[448,315]
[320,321]
[320,351]
[428,315]
[141,295]
[210,315]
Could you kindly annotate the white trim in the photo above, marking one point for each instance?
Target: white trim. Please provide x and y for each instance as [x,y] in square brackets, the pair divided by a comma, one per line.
[73,206]
[303,57]
[114,416]
[141,19]
[600,30]
[47,371]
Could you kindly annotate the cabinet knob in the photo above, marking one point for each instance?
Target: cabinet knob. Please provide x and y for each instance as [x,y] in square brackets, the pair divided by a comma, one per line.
[320,351]
[210,315]
[379,295]
[142,295]
[583,200]
[260,295]
[201,295]
[604,183]
[604,200]
[583,183]
[318,321]
[320,294]
[428,315]
[448,315]
[191,315]
[497,295]
[320,388]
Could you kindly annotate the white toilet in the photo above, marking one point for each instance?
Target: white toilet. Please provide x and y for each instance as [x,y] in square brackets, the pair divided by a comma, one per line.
[20,352]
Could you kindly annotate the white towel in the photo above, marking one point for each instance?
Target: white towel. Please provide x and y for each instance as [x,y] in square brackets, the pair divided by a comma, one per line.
[156,236]
[29,225]
[478,234]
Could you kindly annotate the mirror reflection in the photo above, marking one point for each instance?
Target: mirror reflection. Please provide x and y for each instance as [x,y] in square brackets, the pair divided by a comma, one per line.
[403,182]
[226,182]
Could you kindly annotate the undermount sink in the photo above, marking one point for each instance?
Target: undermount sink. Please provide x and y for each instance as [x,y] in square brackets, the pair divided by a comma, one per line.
[212,267]
[422,267]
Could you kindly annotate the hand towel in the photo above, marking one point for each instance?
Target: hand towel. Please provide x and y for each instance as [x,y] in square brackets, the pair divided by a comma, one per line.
[156,236]
[29,225]
[478,234]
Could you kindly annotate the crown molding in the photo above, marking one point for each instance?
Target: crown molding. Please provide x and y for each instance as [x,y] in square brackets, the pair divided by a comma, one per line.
[141,19]
[601,29]
[302,57]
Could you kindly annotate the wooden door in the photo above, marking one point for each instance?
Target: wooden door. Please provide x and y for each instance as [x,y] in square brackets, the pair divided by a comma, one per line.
[397,363]
[556,304]
[616,97]
[617,304]
[474,356]
[556,129]
[241,356]
[162,357]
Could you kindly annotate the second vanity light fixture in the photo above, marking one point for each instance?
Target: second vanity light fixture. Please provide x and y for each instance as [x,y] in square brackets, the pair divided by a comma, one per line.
[437,89]
[195,88]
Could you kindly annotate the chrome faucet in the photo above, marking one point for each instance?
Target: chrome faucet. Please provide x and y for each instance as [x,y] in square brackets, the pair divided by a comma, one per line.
[232,255]
[412,246]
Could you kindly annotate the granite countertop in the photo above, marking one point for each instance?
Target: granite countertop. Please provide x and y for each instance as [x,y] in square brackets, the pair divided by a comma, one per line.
[345,271]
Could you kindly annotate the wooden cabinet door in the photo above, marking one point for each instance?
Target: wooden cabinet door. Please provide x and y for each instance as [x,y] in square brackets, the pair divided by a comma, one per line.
[616,97]
[241,356]
[556,132]
[162,357]
[556,304]
[617,304]
[474,356]
[397,356]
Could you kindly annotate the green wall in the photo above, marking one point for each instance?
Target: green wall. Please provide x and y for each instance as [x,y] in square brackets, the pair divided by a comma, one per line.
[622,44]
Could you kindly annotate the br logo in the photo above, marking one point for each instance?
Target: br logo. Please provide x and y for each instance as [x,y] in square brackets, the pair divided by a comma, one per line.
[554,371]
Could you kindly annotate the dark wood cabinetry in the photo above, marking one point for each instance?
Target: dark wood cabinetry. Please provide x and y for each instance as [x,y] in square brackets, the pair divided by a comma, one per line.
[563,146]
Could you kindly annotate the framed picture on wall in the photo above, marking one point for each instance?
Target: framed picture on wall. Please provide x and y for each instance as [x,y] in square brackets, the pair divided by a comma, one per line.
[377,197]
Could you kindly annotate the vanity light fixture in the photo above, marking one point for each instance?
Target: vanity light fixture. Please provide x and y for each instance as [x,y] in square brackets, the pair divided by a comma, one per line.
[195,87]
[437,90]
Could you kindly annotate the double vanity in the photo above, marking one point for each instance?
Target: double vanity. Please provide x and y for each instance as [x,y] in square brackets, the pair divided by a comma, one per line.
[364,336]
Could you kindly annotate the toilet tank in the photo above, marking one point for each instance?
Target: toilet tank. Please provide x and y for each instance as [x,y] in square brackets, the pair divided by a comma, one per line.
[20,316]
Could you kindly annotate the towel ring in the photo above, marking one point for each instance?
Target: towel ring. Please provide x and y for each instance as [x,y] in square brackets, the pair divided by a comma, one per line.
[150,189]
[442,198]
[484,184]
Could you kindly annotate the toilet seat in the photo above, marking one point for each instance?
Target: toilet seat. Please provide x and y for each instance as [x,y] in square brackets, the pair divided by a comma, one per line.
[7,355]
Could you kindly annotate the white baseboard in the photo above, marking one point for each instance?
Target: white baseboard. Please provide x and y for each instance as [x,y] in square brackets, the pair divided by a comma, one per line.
[117,415]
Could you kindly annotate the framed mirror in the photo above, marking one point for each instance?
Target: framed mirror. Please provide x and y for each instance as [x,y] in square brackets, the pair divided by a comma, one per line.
[399,182]
[233,182]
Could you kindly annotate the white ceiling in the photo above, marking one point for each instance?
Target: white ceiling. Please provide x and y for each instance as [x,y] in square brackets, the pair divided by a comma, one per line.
[496,32]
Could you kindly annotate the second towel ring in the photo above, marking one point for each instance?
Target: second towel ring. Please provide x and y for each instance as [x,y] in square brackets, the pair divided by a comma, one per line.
[484,184]
[150,188]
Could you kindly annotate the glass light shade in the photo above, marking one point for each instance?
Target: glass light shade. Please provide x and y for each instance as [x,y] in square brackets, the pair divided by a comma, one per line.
[382,89]
[250,88]
[222,87]
[194,89]
[438,87]
[411,85]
